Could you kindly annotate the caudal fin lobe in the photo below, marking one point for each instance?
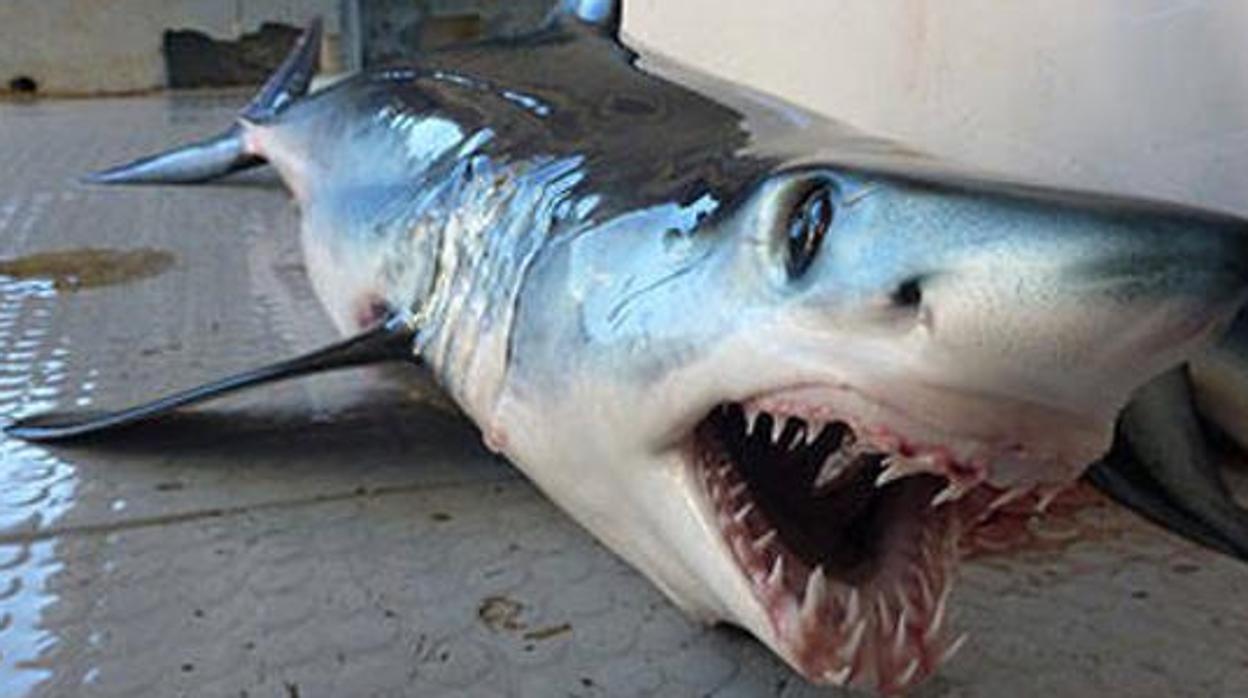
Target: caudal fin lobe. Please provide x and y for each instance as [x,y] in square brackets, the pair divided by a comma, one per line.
[228,151]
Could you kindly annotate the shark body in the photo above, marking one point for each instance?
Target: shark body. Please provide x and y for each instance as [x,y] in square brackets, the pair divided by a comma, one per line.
[778,365]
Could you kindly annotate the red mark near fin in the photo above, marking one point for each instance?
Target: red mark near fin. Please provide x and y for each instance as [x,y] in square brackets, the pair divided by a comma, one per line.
[370,311]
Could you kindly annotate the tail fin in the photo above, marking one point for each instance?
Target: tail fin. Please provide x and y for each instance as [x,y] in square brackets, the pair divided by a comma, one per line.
[198,162]
[292,79]
[226,153]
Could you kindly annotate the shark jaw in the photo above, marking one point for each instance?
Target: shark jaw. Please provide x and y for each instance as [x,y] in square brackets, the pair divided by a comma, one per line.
[844,523]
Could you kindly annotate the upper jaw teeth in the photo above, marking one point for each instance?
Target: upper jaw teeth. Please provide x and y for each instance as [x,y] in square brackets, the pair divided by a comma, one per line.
[837,464]
[751,418]
[777,428]
[962,477]
[811,433]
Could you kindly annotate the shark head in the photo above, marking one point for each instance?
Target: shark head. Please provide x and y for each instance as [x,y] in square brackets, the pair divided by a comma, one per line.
[787,413]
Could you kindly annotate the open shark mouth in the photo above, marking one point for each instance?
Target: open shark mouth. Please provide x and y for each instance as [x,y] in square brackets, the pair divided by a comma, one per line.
[847,535]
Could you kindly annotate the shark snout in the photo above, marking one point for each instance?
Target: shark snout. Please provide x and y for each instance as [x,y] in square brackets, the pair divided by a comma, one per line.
[1209,268]
[1077,304]
[1176,284]
[1219,269]
[1148,292]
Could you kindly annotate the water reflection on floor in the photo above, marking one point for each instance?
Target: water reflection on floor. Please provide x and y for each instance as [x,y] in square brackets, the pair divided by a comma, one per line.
[35,486]
[25,571]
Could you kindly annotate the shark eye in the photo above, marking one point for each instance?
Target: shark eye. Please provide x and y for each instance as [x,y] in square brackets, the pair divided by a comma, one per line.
[807,226]
[909,294]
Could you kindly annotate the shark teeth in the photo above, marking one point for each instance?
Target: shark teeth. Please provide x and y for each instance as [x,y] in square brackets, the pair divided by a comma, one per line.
[907,675]
[751,419]
[936,622]
[834,467]
[955,490]
[897,467]
[853,606]
[764,541]
[1048,493]
[899,635]
[840,677]
[816,596]
[853,641]
[953,648]
[812,433]
[776,577]
[908,607]
[891,641]
[796,438]
[1007,497]
[777,429]
[742,513]
[887,629]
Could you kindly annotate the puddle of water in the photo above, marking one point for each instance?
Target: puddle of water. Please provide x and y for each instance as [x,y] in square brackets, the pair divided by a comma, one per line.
[36,487]
[25,573]
[88,267]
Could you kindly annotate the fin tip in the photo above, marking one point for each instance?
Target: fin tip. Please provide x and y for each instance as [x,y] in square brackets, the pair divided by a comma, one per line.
[105,176]
[605,15]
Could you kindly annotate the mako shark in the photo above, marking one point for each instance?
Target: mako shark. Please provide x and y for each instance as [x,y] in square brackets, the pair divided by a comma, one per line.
[777,365]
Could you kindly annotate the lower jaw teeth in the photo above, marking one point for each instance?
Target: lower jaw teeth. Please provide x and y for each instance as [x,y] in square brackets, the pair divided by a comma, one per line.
[776,577]
[952,492]
[897,467]
[843,635]
[887,639]
[764,541]
[816,595]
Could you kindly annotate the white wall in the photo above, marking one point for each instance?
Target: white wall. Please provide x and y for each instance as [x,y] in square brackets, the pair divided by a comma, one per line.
[92,46]
[1145,96]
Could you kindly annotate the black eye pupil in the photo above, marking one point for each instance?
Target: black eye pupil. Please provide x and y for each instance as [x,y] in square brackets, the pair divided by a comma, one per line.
[908,294]
[810,222]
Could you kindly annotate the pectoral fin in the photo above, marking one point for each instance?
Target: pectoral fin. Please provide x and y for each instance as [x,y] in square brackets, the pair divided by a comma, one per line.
[1163,466]
[390,341]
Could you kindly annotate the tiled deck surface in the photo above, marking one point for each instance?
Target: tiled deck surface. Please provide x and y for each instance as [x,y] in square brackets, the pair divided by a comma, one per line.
[343,537]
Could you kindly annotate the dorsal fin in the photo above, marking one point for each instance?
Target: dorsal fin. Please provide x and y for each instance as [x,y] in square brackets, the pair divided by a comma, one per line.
[226,152]
[606,15]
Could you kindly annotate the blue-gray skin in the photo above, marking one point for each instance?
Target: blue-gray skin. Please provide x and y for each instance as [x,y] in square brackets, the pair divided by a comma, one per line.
[777,365]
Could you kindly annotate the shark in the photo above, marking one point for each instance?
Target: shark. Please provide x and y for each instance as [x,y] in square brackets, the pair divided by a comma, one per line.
[778,365]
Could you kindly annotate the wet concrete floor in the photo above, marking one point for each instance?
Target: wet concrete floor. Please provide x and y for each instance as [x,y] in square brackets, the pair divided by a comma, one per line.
[344,536]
